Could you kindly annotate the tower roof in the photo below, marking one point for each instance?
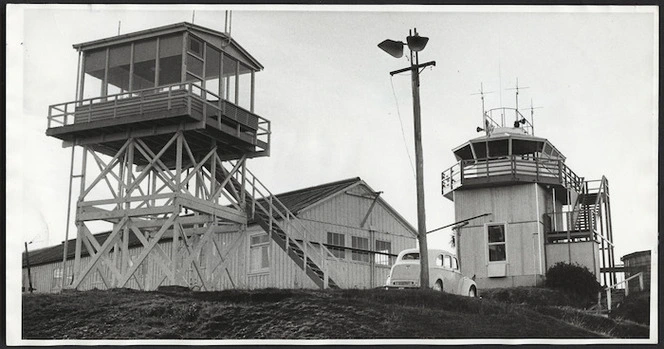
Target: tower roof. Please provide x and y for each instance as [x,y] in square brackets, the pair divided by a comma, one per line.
[506,141]
[216,38]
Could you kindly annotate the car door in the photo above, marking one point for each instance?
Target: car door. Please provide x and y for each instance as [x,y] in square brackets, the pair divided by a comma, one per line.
[449,282]
[456,276]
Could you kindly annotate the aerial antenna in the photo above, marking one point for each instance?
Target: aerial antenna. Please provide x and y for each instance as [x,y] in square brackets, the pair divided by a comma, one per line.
[193,16]
[481,93]
[119,24]
[227,24]
[532,113]
[516,113]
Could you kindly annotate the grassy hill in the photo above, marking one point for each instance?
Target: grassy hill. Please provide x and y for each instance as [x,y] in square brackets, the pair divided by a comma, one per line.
[301,314]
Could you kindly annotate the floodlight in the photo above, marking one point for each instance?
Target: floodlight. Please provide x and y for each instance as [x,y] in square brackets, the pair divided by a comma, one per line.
[416,42]
[394,48]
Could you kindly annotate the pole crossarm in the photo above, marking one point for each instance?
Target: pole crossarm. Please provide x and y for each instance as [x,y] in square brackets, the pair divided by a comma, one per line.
[458,222]
[415,68]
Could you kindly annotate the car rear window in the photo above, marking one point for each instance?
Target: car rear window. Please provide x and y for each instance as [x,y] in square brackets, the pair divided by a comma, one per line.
[410,256]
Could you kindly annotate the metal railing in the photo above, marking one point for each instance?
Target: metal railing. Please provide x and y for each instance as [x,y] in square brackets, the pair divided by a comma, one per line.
[607,289]
[296,232]
[513,166]
[576,220]
[503,114]
[180,95]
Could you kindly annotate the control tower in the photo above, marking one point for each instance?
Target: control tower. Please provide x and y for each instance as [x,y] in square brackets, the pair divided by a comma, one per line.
[542,212]
[164,123]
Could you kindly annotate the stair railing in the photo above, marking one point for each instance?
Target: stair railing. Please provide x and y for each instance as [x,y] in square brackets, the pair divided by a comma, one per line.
[290,224]
[607,289]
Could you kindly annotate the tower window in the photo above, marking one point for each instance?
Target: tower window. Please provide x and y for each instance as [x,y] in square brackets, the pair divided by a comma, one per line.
[496,243]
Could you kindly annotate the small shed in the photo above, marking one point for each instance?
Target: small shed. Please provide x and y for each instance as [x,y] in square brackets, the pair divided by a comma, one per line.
[637,262]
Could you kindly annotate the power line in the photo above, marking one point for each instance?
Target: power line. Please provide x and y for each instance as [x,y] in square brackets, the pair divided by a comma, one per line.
[403,134]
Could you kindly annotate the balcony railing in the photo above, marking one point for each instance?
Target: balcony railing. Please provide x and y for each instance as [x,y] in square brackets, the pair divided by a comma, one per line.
[577,225]
[508,169]
[189,96]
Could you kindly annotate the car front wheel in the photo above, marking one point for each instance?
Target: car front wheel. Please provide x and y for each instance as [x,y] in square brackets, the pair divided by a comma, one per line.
[438,286]
[472,292]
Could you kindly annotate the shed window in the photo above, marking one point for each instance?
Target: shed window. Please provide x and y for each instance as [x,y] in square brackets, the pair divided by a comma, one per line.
[363,244]
[383,250]
[496,243]
[336,240]
[455,263]
[259,253]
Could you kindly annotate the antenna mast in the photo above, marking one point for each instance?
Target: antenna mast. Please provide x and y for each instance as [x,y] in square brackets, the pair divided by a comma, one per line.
[481,93]
[516,108]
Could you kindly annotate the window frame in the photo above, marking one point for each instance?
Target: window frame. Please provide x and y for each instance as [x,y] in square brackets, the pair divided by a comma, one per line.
[489,244]
[381,259]
[259,246]
[358,256]
[338,252]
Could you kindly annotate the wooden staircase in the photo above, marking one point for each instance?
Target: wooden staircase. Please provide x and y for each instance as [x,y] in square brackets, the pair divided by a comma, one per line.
[293,248]
[281,224]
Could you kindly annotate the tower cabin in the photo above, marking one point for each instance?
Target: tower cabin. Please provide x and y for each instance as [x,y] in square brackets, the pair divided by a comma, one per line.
[154,82]
[542,212]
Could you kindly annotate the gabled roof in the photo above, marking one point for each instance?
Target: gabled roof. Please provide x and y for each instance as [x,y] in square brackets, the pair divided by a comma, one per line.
[296,201]
[163,30]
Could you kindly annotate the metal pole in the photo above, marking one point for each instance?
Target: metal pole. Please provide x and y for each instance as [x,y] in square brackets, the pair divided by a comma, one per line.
[27,261]
[421,216]
[64,253]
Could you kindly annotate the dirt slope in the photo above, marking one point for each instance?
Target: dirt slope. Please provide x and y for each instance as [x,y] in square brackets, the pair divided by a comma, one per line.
[282,314]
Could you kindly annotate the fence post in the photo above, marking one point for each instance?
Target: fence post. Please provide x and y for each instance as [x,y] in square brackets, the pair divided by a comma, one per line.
[627,288]
[599,302]
[608,299]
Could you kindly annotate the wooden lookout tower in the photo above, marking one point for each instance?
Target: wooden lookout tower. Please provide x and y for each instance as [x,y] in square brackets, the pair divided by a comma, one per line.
[541,211]
[164,122]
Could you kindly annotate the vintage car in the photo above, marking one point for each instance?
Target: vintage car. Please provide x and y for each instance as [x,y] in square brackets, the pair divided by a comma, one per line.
[444,274]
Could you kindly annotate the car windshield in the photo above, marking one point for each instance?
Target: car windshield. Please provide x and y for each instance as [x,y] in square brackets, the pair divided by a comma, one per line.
[410,256]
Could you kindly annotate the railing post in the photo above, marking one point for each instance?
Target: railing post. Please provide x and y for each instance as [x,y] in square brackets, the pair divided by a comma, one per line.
[253,195]
[461,166]
[641,286]
[168,101]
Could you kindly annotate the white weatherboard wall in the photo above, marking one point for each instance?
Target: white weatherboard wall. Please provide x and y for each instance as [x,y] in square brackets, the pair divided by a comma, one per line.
[520,208]
[584,253]
[341,213]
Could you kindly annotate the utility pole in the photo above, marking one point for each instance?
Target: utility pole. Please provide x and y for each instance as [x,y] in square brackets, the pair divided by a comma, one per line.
[27,261]
[415,43]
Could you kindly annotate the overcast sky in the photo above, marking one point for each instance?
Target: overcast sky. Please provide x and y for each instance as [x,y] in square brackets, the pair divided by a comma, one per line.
[336,113]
